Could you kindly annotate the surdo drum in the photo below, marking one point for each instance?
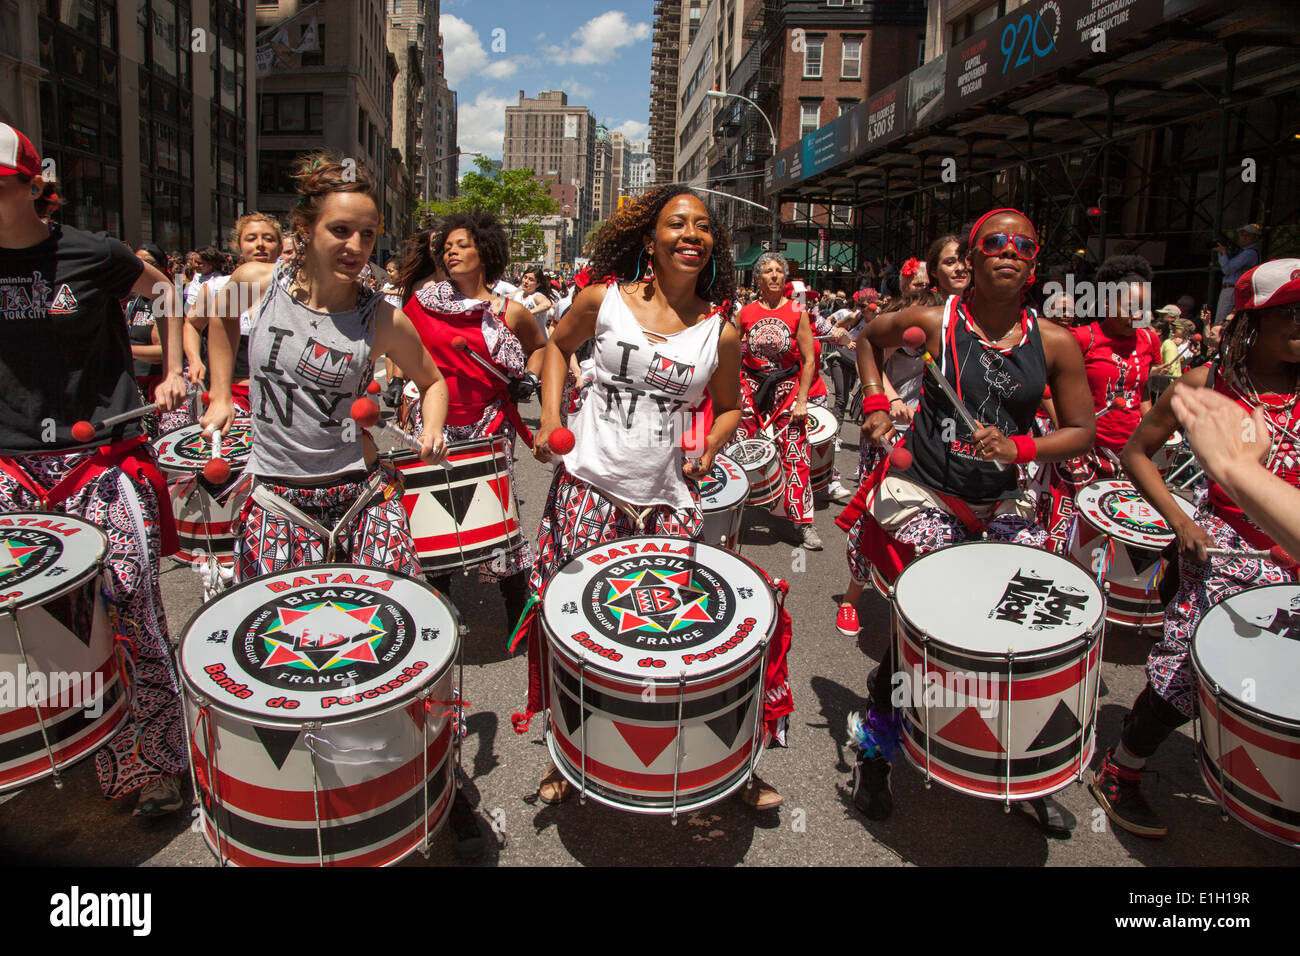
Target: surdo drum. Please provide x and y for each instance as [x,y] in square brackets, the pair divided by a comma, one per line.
[56,646]
[1246,654]
[319,708]
[822,430]
[762,464]
[656,658]
[999,649]
[722,500]
[1119,535]
[205,513]
[463,511]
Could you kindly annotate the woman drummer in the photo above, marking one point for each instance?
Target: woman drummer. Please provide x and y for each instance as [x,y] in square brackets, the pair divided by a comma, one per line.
[1118,353]
[255,238]
[778,375]
[75,331]
[625,475]
[315,332]
[999,359]
[903,373]
[474,250]
[1259,368]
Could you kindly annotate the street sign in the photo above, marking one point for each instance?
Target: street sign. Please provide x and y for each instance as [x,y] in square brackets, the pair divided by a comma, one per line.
[767,245]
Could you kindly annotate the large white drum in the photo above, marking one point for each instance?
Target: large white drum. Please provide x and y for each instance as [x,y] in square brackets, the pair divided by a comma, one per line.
[723,493]
[1246,654]
[319,711]
[1119,535]
[205,513]
[762,464]
[656,654]
[822,429]
[56,646]
[999,648]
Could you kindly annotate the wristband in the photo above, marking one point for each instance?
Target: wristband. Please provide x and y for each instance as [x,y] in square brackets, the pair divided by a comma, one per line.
[874,403]
[895,399]
[1026,448]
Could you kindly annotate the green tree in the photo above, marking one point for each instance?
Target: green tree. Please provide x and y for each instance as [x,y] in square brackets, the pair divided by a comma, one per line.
[591,236]
[513,194]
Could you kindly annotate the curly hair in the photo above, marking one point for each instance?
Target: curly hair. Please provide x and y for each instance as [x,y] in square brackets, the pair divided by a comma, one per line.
[317,175]
[1120,267]
[619,248]
[488,235]
[242,223]
[417,261]
[761,262]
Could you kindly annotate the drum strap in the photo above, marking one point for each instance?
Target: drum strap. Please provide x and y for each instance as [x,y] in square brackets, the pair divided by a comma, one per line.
[131,455]
[637,515]
[269,500]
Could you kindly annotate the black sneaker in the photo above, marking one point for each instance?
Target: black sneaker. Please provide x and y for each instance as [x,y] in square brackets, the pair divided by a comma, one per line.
[872,793]
[160,797]
[1119,791]
[466,835]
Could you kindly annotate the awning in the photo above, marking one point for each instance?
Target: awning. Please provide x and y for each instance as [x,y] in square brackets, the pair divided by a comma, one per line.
[809,255]
[747,258]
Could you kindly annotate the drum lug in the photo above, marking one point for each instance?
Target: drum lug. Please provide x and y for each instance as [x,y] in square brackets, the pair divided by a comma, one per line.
[1006,802]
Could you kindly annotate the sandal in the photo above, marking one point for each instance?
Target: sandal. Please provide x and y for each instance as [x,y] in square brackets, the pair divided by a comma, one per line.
[554,788]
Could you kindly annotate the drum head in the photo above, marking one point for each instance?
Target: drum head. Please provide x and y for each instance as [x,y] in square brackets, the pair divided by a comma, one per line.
[185,449]
[649,608]
[990,597]
[1249,644]
[822,426]
[752,453]
[1118,509]
[43,554]
[330,642]
[725,486]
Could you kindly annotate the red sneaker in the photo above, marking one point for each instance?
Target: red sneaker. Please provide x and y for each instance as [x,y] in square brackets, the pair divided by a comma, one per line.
[846,621]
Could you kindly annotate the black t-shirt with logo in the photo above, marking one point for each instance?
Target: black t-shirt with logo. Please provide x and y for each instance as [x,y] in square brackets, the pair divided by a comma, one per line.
[139,325]
[65,353]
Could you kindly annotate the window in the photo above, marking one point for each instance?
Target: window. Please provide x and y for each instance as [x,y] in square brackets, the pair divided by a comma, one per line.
[846,105]
[810,117]
[812,58]
[841,215]
[851,64]
[291,113]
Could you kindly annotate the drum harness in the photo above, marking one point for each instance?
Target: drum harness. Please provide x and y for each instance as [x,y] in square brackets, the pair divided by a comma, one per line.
[376,483]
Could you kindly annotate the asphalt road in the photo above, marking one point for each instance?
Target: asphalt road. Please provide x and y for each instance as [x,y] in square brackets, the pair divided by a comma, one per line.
[817,824]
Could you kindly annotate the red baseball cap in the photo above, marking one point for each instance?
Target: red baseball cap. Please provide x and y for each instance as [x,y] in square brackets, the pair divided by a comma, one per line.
[17,154]
[1269,285]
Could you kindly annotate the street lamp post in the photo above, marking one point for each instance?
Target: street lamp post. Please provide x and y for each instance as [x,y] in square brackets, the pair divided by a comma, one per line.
[433,163]
[776,202]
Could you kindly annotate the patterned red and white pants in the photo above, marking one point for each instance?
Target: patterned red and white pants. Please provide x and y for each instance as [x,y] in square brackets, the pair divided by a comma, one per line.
[379,535]
[791,445]
[153,744]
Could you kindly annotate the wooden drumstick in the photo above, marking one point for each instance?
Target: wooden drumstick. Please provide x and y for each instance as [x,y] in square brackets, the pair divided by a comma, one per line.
[365,412]
[914,338]
[84,431]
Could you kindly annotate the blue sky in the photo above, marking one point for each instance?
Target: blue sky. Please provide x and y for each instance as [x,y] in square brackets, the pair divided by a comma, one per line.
[597,51]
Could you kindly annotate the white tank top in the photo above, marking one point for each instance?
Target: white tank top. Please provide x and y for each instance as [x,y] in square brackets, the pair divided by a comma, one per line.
[629,428]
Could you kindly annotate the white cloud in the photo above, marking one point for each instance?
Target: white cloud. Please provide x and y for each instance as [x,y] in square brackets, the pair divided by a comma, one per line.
[481,126]
[600,37]
[633,130]
[462,49]
[575,87]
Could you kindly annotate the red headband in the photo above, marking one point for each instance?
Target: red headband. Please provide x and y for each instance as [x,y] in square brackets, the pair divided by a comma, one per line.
[970,242]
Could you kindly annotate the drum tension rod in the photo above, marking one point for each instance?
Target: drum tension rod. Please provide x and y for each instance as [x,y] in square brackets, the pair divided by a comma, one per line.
[11,608]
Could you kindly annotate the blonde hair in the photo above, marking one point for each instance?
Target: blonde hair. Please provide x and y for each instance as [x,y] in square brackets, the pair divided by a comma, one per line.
[242,223]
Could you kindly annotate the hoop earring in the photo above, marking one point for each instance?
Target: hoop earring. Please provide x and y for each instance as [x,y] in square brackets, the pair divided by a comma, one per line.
[714,263]
[639,267]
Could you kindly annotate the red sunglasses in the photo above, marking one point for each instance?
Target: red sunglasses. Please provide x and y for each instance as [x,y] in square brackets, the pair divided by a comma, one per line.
[996,243]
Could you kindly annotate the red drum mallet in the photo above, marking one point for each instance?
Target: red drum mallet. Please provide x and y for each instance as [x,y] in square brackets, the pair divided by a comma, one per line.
[84,431]
[217,469]
[561,441]
[914,339]
[365,412]
[461,345]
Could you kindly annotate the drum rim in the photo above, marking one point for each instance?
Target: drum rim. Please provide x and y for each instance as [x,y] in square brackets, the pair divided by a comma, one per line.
[1117,535]
[553,642]
[263,720]
[835,424]
[1203,676]
[756,439]
[192,468]
[1089,635]
[404,455]
[739,503]
[101,559]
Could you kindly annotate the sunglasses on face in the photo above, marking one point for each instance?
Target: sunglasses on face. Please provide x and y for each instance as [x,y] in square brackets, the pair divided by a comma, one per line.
[996,243]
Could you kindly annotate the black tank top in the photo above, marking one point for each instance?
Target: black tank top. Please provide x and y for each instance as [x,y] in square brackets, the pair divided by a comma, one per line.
[998,387]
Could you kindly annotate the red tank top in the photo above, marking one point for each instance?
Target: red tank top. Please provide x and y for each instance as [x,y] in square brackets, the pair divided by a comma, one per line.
[471,387]
[1284,461]
[769,341]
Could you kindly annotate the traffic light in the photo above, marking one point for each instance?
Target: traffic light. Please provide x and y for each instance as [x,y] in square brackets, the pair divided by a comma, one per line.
[623,199]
